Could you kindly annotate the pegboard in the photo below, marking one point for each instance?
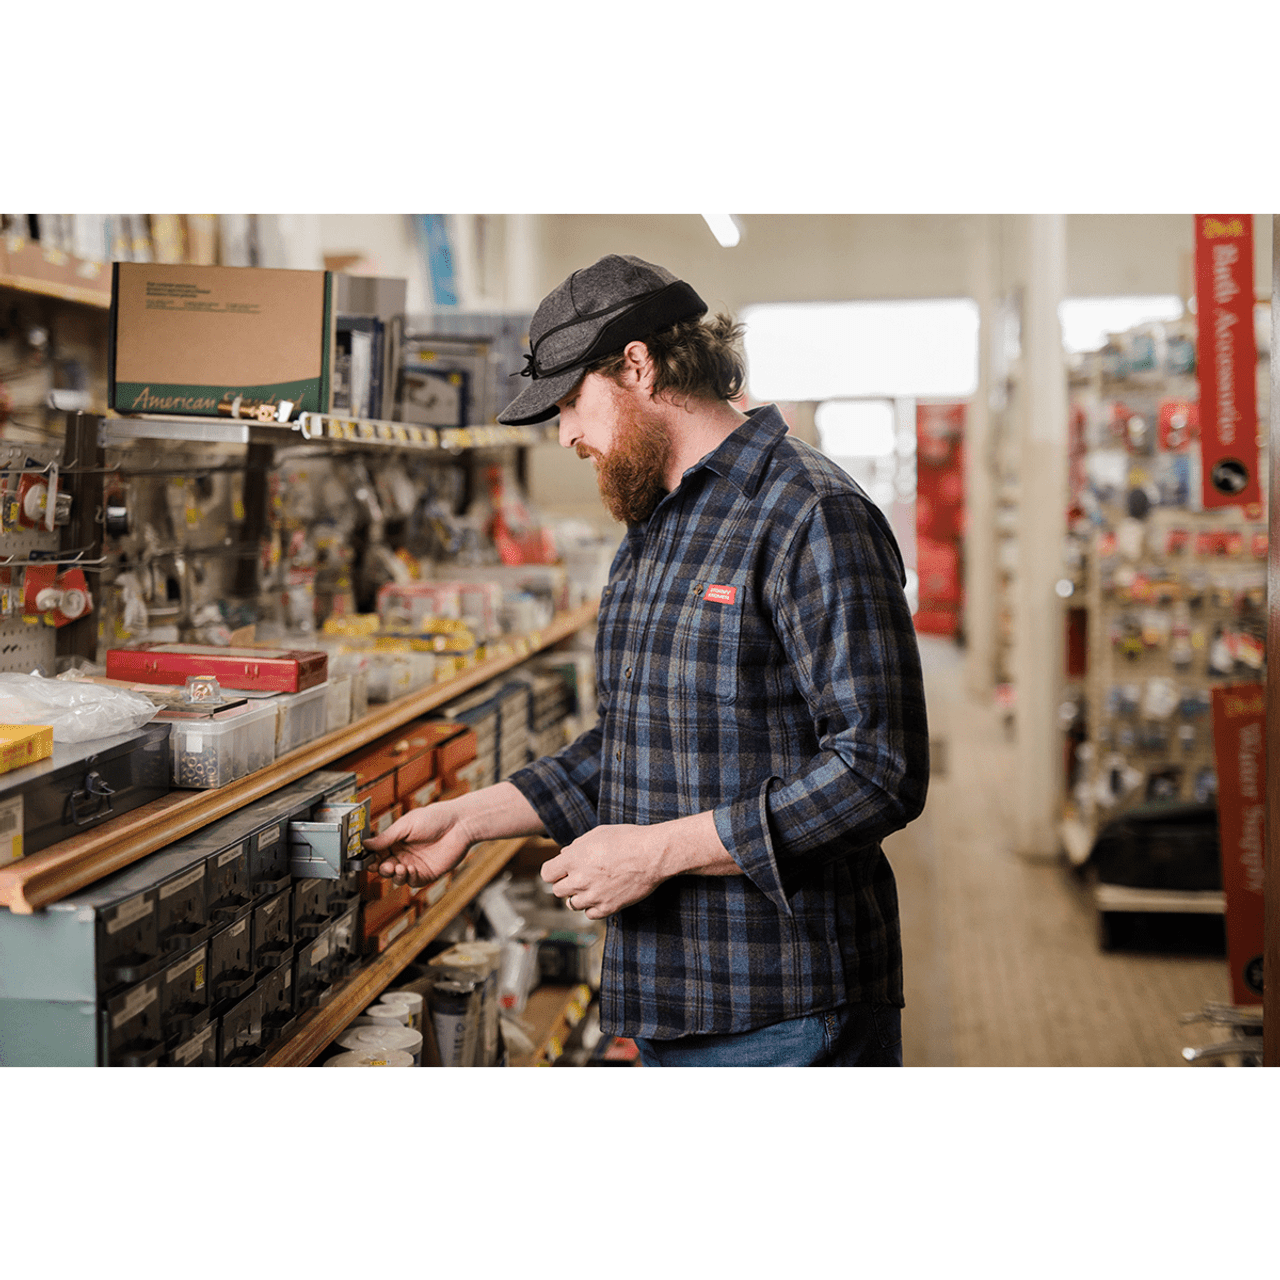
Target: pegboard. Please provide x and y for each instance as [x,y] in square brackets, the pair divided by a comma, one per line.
[25,647]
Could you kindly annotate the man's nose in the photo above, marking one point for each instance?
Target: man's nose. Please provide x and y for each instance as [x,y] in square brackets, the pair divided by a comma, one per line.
[569,433]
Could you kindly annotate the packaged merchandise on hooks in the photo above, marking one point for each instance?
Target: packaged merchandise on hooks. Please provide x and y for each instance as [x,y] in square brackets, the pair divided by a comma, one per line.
[1174,594]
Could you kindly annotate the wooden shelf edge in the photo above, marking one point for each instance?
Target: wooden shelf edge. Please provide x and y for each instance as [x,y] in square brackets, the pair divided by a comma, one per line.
[85,296]
[555,1011]
[357,992]
[52,874]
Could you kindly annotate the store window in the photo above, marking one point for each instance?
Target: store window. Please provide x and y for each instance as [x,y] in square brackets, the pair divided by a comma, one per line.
[925,347]
[861,435]
[874,440]
[1086,322]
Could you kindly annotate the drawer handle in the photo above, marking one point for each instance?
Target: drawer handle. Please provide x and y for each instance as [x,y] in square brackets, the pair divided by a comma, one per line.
[97,792]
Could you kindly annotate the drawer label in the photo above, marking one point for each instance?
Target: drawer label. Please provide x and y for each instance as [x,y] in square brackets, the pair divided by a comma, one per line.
[320,950]
[135,1003]
[11,830]
[128,912]
[272,835]
[194,961]
[230,856]
[194,1047]
[182,882]
[397,929]
[237,929]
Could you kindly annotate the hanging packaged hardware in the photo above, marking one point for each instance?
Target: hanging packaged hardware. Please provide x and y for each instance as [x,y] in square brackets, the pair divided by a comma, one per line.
[55,598]
[38,497]
[256,410]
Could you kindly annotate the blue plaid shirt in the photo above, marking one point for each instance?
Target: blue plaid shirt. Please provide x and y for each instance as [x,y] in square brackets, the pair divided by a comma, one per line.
[755,657]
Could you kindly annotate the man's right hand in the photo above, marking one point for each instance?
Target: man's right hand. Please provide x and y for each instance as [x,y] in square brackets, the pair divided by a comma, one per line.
[421,846]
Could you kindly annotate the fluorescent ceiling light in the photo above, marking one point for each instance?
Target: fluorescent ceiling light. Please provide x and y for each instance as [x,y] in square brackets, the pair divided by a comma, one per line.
[725,227]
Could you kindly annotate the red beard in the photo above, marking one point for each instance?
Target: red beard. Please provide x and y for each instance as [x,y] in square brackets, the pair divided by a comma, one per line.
[632,476]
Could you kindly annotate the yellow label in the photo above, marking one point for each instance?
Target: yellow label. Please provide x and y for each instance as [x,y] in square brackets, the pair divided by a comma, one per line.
[237,510]
[1213,228]
[199,976]
[377,1062]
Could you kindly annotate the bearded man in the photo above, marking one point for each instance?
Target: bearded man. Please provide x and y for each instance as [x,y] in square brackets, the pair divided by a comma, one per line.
[761,721]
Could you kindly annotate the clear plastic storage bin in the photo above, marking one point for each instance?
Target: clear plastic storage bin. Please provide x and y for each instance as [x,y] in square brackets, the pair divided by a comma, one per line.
[338,703]
[303,717]
[213,750]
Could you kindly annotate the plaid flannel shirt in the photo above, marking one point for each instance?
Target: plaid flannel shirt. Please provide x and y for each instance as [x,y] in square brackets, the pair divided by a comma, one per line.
[755,657]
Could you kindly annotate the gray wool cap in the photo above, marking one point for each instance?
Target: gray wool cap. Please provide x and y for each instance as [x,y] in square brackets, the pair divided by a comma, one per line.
[592,314]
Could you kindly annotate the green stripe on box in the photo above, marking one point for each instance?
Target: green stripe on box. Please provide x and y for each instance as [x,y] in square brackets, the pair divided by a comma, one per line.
[203,400]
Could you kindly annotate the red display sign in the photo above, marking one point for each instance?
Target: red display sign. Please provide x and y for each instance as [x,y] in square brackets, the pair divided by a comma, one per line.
[940,515]
[1240,753]
[1227,362]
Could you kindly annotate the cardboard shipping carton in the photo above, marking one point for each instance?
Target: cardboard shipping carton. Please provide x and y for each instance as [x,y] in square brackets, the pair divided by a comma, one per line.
[184,338]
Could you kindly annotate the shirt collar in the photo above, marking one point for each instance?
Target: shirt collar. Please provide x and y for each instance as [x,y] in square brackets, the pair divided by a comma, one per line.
[743,457]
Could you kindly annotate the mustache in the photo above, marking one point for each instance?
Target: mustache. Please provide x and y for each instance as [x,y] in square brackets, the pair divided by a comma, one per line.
[586,451]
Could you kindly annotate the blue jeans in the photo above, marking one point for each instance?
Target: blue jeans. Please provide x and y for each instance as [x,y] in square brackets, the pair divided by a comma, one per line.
[855,1035]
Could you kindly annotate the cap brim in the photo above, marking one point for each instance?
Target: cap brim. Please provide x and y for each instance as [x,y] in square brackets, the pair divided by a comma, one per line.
[537,402]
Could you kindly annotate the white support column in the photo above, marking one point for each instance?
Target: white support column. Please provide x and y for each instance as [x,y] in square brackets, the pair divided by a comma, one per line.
[980,506]
[1038,654]
[523,259]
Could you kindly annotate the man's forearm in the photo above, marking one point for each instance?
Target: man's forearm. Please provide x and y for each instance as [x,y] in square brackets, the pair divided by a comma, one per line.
[692,846]
[497,812]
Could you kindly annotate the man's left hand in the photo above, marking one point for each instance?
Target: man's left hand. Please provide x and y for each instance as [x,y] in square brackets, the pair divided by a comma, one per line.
[608,868]
[613,866]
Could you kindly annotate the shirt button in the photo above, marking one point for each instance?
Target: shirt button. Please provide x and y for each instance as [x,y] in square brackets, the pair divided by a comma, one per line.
[617,755]
[628,673]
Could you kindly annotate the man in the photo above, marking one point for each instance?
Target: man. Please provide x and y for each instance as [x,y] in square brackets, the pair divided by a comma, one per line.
[761,710]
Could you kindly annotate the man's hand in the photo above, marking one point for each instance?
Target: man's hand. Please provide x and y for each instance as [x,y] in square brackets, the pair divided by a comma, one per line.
[421,846]
[613,866]
[427,842]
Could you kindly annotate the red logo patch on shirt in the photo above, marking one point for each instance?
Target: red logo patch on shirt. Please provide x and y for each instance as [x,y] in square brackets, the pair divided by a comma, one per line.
[721,595]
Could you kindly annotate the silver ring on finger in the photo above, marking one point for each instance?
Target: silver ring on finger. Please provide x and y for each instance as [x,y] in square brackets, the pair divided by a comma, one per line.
[571,906]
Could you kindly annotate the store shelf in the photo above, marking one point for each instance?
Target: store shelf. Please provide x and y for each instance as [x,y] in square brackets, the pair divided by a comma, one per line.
[43,878]
[28,268]
[1116,897]
[118,430]
[316,428]
[344,430]
[553,1012]
[317,1029]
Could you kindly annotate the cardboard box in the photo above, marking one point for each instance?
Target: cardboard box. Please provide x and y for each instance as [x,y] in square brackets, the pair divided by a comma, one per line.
[184,338]
[23,744]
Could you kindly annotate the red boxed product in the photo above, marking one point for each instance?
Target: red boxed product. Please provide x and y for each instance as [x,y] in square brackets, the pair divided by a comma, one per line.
[249,669]
[414,749]
[455,745]
[424,795]
[402,762]
[375,770]
[380,912]
[380,941]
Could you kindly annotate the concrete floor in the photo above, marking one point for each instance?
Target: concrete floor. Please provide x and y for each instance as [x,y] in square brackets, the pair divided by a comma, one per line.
[1002,961]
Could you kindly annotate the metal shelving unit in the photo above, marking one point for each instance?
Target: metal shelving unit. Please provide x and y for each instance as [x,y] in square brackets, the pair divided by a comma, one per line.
[42,879]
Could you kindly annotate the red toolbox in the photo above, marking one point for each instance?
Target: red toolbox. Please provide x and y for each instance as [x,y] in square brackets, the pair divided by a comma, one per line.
[255,670]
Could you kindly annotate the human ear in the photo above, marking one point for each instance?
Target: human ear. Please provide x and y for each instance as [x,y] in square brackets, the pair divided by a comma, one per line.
[639,365]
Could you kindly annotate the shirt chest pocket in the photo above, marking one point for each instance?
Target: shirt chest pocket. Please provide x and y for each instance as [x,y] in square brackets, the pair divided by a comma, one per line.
[706,640]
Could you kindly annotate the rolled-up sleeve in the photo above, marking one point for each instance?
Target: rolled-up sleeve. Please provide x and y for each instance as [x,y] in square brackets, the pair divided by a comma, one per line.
[564,788]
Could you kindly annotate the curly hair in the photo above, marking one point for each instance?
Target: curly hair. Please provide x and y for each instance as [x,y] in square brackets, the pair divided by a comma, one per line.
[695,358]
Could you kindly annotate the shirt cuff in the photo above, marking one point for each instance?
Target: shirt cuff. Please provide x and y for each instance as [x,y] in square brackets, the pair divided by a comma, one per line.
[743,828]
[565,810]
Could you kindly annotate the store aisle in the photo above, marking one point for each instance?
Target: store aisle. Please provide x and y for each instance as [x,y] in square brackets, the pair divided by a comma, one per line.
[1002,964]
